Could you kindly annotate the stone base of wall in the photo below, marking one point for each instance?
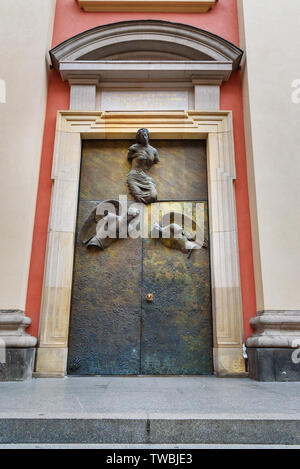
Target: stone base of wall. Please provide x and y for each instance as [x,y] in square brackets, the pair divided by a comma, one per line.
[274,364]
[18,365]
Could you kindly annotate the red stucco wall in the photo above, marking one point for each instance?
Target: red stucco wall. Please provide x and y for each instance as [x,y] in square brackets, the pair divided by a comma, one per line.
[71,20]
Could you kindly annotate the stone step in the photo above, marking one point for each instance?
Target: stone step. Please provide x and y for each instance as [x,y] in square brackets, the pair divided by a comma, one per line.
[148,447]
[150,431]
[149,410]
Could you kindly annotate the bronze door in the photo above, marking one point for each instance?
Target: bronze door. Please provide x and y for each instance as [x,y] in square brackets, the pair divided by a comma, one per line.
[114,329]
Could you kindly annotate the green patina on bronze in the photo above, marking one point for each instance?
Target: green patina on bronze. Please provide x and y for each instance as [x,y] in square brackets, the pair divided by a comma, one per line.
[114,330]
[176,326]
[106,304]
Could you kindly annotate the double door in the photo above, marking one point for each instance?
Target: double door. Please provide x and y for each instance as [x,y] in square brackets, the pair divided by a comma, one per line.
[115,329]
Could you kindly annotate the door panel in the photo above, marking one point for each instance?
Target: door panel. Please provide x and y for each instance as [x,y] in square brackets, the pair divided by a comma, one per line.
[176,326]
[180,175]
[113,330]
[104,169]
[105,310]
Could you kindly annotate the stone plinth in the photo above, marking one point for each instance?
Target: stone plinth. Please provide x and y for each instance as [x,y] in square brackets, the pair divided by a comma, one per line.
[17,348]
[274,348]
[18,366]
[274,364]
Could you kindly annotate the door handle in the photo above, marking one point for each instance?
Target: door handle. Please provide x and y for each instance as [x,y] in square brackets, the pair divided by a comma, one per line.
[150,297]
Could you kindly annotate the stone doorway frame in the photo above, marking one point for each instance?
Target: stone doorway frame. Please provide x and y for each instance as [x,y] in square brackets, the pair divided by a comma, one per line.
[72,127]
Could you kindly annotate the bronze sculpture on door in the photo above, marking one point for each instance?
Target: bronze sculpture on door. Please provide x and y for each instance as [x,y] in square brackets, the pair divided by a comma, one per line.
[142,157]
[141,305]
[96,229]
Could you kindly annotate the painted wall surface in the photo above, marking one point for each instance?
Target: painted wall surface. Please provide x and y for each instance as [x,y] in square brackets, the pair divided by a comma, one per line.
[71,20]
[25,34]
[271,40]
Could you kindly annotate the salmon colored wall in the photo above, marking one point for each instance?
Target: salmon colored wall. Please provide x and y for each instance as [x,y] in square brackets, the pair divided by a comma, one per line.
[71,20]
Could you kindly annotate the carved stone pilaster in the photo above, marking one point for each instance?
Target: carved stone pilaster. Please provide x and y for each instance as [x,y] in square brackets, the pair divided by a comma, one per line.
[83,93]
[207,93]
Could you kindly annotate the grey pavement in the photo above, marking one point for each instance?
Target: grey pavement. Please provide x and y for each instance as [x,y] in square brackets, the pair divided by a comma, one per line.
[149,410]
[146,397]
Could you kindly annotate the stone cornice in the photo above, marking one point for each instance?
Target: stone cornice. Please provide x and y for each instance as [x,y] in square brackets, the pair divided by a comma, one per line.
[176,52]
[193,44]
[108,71]
[177,6]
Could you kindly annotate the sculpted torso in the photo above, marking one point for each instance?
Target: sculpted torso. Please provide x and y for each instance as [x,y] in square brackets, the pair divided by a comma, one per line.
[142,156]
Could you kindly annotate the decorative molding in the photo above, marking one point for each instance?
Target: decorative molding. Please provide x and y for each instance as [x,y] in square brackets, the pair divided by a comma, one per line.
[146,50]
[13,323]
[183,40]
[152,52]
[168,6]
[275,329]
[154,71]
[72,127]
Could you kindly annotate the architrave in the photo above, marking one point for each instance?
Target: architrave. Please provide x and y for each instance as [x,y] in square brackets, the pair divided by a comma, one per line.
[74,126]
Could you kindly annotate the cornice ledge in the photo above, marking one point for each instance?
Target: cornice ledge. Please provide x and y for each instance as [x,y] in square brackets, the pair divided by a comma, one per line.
[170,6]
[88,122]
[84,56]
